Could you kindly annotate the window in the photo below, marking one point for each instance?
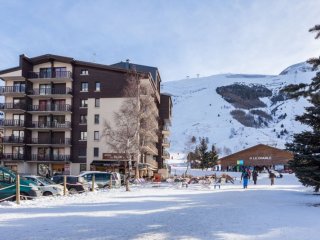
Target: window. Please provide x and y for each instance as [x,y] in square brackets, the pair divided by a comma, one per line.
[84,72]
[97,102]
[84,87]
[83,167]
[84,103]
[98,86]
[96,152]
[83,135]
[96,119]
[83,152]
[83,119]
[96,135]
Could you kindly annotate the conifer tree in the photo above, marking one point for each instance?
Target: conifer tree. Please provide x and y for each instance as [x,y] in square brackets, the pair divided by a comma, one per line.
[213,157]
[203,153]
[306,145]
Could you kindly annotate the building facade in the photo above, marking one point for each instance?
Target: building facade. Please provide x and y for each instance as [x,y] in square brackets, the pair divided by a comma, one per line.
[260,156]
[55,109]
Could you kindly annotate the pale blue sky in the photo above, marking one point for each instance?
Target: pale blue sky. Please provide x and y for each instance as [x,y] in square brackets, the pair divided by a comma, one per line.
[180,37]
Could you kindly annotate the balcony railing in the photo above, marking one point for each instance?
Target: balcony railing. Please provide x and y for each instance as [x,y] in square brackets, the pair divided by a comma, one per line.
[53,74]
[8,106]
[12,139]
[52,157]
[12,156]
[49,91]
[166,154]
[12,123]
[50,107]
[62,141]
[53,124]
[12,89]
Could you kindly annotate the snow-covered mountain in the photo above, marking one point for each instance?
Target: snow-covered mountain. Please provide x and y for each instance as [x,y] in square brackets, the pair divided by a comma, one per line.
[268,118]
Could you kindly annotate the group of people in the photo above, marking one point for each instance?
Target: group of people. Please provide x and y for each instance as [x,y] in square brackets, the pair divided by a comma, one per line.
[247,174]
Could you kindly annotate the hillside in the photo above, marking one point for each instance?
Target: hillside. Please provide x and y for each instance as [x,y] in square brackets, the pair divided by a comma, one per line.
[236,111]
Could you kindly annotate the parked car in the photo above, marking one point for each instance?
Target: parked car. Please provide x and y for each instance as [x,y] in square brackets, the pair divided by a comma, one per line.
[8,186]
[47,186]
[102,179]
[75,184]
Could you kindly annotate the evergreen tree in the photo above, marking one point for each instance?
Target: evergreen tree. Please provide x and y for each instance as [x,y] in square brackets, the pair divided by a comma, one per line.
[306,145]
[213,157]
[203,153]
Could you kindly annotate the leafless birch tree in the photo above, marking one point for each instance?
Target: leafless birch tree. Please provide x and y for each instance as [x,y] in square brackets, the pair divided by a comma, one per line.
[135,123]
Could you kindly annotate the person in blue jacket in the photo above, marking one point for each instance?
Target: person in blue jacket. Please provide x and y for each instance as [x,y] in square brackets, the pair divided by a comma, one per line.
[245,176]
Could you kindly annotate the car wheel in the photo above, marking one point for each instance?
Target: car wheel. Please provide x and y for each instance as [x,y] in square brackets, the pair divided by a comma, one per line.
[24,196]
[47,194]
[73,191]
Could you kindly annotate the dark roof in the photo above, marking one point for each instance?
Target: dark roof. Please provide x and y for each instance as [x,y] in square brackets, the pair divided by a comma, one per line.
[120,67]
[48,57]
[249,149]
[140,68]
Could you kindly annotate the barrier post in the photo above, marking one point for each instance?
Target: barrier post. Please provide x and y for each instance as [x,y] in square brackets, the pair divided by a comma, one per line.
[18,189]
[111,178]
[64,185]
[93,180]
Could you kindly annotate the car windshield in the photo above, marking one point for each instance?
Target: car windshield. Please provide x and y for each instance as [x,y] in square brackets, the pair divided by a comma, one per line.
[45,181]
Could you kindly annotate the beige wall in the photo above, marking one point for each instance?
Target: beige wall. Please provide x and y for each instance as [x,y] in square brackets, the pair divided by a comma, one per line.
[106,112]
[17,73]
[36,68]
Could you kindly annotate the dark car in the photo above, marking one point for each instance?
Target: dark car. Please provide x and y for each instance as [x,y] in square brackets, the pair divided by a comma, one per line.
[75,184]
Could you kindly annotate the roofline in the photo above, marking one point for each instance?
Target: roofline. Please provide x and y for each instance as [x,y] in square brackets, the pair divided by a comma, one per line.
[231,155]
[48,57]
[10,70]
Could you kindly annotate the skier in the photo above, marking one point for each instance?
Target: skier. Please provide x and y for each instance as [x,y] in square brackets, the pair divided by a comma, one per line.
[245,176]
[255,176]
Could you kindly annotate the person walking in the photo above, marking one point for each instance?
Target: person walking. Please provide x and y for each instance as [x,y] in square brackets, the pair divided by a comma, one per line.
[245,178]
[255,176]
[272,176]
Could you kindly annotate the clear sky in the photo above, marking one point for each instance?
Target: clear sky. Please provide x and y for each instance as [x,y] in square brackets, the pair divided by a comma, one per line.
[180,37]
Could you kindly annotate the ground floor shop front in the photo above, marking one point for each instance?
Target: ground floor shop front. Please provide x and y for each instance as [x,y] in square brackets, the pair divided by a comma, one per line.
[47,169]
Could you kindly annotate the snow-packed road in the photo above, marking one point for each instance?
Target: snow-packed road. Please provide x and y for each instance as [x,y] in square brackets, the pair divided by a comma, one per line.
[283,211]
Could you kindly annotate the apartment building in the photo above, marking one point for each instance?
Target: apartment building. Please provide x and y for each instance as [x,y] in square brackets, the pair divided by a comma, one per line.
[55,112]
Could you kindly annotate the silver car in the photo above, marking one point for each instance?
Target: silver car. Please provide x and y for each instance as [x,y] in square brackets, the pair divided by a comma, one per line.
[47,186]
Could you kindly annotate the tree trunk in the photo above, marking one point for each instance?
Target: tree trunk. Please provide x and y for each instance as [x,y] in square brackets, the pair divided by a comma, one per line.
[127,183]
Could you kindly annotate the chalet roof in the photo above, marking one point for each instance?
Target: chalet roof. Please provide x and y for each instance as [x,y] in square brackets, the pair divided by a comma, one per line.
[250,149]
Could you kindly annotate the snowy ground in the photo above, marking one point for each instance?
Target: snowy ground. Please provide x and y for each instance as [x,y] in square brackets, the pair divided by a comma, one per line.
[284,211]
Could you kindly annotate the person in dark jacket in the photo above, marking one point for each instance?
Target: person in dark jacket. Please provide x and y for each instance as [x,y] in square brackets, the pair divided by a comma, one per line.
[245,176]
[255,176]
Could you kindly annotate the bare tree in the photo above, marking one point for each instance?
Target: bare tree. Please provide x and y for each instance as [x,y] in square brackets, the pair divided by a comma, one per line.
[189,148]
[135,123]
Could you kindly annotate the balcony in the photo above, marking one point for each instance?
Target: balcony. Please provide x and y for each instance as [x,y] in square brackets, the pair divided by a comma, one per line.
[12,107]
[50,125]
[57,108]
[53,76]
[50,141]
[165,143]
[12,156]
[12,123]
[150,148]
[165,130]
[152,164]
[50,158]
[12,140]
[166,154]
[13,90]
[49,92]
